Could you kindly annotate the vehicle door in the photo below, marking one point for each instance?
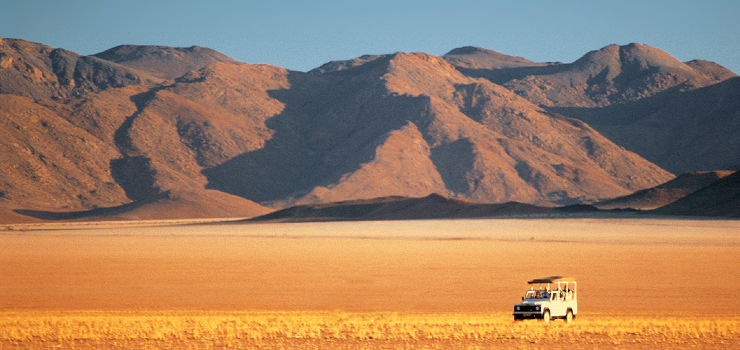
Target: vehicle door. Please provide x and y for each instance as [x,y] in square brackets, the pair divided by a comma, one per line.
[557,307]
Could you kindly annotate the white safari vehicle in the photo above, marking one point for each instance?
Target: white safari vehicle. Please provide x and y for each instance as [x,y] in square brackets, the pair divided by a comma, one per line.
[555,298]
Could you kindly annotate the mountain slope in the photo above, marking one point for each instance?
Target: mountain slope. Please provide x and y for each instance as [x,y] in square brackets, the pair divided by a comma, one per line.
[410,124]
[66,145]
[697,130]
[48,160]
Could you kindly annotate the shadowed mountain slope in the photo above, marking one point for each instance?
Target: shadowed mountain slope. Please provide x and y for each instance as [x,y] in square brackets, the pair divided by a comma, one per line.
[666,193]
[697,130]
[721,199]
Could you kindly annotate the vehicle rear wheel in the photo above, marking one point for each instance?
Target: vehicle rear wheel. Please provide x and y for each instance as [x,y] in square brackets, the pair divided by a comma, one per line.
[546,316]
[569,316]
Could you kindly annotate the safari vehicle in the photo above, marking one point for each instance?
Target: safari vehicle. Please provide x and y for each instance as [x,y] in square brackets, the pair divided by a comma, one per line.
[558,299]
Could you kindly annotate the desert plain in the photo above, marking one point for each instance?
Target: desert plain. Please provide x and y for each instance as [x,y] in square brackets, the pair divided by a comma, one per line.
[425,284]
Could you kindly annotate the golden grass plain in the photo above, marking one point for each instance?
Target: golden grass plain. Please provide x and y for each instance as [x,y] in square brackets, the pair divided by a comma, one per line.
[642,283]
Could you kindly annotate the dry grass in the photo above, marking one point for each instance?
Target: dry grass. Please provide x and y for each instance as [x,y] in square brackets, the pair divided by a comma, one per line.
[337,329]
[438,275]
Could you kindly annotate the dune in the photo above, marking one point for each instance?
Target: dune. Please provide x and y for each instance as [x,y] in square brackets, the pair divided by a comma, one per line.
[434,206]
[164,206]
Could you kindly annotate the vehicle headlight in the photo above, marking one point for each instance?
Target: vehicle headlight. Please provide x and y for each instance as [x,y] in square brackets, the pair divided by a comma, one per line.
[537,308]
[518,308]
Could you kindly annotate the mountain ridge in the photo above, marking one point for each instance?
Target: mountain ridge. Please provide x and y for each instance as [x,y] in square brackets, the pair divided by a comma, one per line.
[250,136]
[612,74]
[641,98]
[39,72]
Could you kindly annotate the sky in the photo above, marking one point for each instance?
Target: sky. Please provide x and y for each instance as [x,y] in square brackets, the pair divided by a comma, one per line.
[302,35]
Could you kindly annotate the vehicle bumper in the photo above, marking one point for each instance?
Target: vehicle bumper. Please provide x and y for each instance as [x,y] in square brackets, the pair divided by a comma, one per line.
[526,315]
[529,316]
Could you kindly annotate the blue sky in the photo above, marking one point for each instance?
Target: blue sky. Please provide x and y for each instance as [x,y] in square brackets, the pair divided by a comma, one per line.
[302,35]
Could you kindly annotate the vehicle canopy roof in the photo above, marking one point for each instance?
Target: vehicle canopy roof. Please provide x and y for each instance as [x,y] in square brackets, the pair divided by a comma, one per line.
[553,279]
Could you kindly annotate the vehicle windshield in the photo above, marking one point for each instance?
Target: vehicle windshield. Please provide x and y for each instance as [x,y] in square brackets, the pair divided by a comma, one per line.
[537,294]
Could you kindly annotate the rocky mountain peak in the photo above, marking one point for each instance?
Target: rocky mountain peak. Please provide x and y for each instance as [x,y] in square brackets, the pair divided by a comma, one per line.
[472,57]
[633,58]
[38,71]
[164,61]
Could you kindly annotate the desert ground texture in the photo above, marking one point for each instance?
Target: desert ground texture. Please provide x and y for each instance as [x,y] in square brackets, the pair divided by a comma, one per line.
[426,284]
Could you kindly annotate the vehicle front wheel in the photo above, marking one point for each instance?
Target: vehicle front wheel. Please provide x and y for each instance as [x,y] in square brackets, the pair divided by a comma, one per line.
[569,316]
[546,316]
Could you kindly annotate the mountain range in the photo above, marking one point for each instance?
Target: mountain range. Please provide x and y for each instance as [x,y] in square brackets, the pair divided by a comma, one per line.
[163,132]
[682,116]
